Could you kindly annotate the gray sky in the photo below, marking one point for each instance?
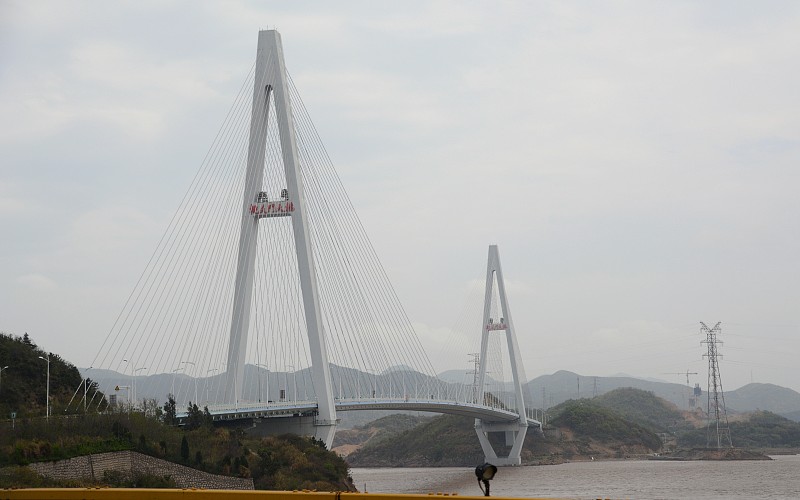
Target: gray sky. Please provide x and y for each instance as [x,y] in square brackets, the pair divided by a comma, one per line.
[637,163]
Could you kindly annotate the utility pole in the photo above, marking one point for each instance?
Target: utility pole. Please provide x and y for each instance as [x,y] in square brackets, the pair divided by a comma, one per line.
[594,392]
[717,428]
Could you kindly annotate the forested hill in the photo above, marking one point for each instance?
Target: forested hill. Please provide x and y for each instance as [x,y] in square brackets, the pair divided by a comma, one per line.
[761,429]
[580,430]
[23,387]
[644,408]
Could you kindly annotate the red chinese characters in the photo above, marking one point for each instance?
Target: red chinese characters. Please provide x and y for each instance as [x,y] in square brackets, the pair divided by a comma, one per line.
[272,209]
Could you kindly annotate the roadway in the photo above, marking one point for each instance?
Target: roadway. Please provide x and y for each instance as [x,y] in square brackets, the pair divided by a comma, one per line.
[288,409]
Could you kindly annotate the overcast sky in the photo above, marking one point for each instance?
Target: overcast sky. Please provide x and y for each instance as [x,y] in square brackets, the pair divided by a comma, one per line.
[636,162]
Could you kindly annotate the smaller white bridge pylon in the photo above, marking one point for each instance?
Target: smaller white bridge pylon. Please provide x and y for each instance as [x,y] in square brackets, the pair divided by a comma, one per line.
[515,430]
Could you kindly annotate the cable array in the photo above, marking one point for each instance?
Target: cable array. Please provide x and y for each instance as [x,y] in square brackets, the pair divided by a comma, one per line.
[171,336]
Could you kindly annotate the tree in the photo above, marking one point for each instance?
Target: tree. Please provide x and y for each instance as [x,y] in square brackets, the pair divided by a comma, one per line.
[185,449]
[151,409]
[27,341]
[194,417]
[170,411]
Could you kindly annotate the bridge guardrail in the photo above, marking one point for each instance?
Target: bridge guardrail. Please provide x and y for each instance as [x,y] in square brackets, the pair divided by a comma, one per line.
[184,494]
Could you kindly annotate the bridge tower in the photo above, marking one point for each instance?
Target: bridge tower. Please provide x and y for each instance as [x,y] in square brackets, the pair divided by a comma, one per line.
[514,431]
[271,82]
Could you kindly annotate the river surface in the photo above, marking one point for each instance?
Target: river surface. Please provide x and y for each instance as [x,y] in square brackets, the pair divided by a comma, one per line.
[635,479]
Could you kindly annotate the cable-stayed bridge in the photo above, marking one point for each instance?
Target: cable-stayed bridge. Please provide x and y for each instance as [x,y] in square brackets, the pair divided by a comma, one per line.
[266,265]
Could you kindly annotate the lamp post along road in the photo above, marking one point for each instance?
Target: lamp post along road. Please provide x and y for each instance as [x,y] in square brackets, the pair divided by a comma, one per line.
[207,388]
[258,373]
[131,384]
[47,402]
[135,396]
[195,379]
[174,372]
[1,374]
[85,388]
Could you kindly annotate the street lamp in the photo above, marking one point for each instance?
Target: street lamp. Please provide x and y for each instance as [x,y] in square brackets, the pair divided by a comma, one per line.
[195,380]
[207,388]
[134,380]
[1,372]
[258,375]
[294,381]
[47,411]
[85,388]
[174,372]
[129,390]
[374,374]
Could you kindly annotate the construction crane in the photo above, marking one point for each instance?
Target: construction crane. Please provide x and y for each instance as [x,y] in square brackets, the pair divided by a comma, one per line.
[687,373]
[692,399]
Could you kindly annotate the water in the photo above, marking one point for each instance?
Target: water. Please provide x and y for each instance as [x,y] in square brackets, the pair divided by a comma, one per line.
[702,480]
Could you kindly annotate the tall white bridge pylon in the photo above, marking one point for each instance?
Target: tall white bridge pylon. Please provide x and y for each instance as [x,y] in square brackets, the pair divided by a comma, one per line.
[271,81]
[265,300]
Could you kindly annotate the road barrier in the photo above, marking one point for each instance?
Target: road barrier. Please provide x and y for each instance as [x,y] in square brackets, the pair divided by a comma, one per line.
[188,494]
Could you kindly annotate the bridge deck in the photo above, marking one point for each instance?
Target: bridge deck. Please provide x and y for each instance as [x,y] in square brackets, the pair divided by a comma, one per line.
[308,408]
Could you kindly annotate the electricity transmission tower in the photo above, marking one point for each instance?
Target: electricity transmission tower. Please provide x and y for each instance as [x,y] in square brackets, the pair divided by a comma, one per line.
[717,428]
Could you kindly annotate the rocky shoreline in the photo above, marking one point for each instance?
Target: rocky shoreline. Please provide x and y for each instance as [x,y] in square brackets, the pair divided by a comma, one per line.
[712,454]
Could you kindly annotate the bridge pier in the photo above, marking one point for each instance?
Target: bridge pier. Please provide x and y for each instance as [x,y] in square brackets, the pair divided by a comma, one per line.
[301,425]
[514,436]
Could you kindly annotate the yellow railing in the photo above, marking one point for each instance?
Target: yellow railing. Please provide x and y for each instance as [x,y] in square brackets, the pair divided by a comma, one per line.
[185,494]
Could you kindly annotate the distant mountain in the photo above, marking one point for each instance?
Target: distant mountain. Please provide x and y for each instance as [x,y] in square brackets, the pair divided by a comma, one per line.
[556,388]
[564,385]
[793,415]
[465,377]
[770,397]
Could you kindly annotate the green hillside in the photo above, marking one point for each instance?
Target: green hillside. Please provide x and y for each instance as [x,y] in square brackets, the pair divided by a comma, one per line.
[274,463]
[579,430]
[284,462]
[23,387]
[377,430]
[762,429]
[644,408]
[444,441]
[592,421]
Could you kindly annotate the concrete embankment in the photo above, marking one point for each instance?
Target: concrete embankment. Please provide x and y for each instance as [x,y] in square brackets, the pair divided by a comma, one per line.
[131,463]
